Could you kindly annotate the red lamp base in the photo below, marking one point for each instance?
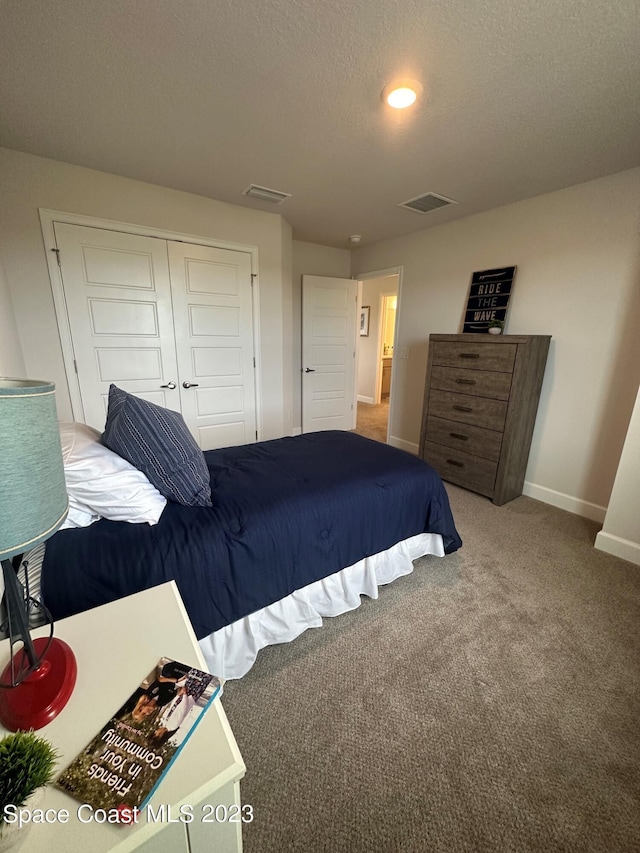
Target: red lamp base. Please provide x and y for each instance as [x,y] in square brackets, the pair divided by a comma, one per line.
[42,695]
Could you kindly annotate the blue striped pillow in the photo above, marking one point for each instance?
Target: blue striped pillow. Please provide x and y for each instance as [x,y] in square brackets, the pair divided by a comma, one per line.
[158,443]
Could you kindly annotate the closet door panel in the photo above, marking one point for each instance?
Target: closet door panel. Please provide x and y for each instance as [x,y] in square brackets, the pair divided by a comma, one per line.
[118,299]
[213,318]
[147,314]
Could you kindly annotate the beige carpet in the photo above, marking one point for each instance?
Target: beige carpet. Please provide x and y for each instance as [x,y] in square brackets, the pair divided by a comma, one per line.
[490,701]
[372,420]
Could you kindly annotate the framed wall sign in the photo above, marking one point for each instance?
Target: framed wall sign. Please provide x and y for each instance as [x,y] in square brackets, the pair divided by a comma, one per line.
[364,320]
[488,300]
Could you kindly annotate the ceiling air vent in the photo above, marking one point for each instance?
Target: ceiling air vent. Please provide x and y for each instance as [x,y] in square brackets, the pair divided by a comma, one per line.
[427,202]
[265,194]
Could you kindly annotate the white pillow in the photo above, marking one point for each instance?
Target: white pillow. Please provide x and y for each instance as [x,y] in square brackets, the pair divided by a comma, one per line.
[102,484]
[78,516]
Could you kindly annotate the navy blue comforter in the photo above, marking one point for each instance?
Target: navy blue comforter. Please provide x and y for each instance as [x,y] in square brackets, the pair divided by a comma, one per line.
[285,513]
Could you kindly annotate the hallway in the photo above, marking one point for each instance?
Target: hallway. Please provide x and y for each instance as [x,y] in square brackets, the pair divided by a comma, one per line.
[372,420]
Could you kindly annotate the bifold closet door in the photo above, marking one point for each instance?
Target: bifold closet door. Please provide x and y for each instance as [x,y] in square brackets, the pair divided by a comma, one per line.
[167,321]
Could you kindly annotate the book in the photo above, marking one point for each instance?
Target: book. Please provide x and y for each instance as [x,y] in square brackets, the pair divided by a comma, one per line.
[125,762]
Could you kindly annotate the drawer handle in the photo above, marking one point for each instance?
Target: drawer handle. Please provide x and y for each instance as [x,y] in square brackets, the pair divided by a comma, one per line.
[466,381]
[455,462]
[469,355]
[463,408]
[459,435]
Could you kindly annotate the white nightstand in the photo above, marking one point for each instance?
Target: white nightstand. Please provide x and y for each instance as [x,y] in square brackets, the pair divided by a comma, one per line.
[116,646]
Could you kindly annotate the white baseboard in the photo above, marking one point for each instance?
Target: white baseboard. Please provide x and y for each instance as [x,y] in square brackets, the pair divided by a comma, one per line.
[362,399]
[409,446]
[296,430]
[619,547]
[575,505]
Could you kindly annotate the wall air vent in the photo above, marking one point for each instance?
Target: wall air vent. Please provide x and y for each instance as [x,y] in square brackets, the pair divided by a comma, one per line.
[265,194]
[426,203]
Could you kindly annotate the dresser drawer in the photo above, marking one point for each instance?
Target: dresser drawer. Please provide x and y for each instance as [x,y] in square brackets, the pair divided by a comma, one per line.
[476,356]
[462,468]
[478,411]
[470,439]
[481,383]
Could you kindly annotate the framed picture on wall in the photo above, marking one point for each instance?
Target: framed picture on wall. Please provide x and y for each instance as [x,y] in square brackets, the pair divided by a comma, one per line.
[489,295]
[364,320]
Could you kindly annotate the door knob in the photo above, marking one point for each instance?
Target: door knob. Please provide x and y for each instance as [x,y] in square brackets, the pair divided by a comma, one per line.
[309,370]
[189,384]
[170,385]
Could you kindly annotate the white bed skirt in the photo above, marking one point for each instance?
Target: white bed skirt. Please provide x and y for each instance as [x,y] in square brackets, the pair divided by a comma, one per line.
[231,651]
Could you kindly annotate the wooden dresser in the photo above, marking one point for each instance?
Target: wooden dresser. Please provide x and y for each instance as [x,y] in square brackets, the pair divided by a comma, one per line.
[480,403]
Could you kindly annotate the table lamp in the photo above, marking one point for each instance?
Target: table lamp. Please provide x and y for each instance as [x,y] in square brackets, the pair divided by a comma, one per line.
[40,676]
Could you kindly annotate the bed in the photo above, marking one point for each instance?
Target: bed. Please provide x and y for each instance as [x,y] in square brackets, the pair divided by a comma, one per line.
[298,529]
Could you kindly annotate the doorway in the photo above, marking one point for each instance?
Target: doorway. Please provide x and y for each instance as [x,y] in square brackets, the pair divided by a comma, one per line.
[375,355]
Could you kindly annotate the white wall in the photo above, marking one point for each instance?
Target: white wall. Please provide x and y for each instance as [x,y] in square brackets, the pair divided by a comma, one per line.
[389,330]
[621,532]
[11,360]
[29,183]
[309,259]
[368,346]
[578,258]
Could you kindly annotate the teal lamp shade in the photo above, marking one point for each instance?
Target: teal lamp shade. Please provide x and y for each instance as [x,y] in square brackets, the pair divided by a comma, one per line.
[33,495]
[39,678]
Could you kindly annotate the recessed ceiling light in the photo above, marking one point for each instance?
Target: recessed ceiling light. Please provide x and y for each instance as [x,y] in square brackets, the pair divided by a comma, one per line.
[355,238]
[402,93]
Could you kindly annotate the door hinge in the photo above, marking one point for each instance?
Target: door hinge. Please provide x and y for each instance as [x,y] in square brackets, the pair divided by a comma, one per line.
[75,365]
[253,275]
[256,435]
[254,361]
[57,251]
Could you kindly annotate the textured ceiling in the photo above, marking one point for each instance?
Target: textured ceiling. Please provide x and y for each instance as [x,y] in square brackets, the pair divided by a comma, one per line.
[207,96]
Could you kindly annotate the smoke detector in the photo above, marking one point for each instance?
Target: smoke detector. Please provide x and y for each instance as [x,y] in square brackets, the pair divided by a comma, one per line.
[355,238]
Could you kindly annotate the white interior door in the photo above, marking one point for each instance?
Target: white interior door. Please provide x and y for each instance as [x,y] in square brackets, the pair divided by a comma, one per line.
[329,310]
[213,316]
[118,298]
[169,322]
